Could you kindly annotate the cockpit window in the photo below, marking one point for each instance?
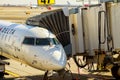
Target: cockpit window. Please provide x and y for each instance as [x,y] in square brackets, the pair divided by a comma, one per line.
[29,41]
[54,41]
[43,41]
[40,41]
[46,41]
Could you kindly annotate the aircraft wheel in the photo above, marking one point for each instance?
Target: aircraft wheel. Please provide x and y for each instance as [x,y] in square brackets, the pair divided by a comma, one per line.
[116,71]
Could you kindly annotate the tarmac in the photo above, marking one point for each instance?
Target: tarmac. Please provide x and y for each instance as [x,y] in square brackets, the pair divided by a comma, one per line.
[19,71]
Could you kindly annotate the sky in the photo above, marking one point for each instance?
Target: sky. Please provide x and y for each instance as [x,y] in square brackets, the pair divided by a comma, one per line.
[28,2]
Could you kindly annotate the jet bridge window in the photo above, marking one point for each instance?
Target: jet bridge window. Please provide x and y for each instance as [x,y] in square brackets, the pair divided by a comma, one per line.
[29,41]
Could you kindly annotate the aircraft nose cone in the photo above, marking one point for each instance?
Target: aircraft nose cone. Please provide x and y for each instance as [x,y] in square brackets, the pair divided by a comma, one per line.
[59,60]
[59,66]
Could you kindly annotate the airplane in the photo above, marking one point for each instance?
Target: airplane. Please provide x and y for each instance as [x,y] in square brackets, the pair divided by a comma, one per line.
[35,46]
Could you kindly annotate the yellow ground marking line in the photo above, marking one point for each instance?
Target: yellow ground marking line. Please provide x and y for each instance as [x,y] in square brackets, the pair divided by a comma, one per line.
[12,73]
[11,57]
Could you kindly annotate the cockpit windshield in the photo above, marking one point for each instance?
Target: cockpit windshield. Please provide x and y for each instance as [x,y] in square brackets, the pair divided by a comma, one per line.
[29,41]
[43,41]
[46,41]
[40,41]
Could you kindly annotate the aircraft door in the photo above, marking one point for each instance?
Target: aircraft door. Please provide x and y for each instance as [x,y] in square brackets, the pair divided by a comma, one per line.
[16,47]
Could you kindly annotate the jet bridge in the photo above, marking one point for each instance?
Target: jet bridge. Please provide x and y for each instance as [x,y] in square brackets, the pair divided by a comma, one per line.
[88,34]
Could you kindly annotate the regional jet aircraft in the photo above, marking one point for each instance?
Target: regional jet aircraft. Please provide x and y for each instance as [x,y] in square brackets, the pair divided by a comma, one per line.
[35,46]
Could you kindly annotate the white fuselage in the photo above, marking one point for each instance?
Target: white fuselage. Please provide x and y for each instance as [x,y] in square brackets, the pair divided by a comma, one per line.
[36,46]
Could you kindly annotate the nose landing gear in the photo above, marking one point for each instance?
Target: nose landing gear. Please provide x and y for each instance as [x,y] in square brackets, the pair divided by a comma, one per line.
[45,76]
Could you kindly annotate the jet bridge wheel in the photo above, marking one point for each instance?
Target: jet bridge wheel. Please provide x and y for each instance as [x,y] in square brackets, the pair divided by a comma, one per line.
[116,71]
[80,61]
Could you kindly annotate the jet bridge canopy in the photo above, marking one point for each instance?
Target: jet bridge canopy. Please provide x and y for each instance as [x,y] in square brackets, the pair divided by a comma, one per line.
[57,23]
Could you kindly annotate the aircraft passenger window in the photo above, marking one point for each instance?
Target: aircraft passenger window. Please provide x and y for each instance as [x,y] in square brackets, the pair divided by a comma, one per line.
[42,41]
[29,41]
